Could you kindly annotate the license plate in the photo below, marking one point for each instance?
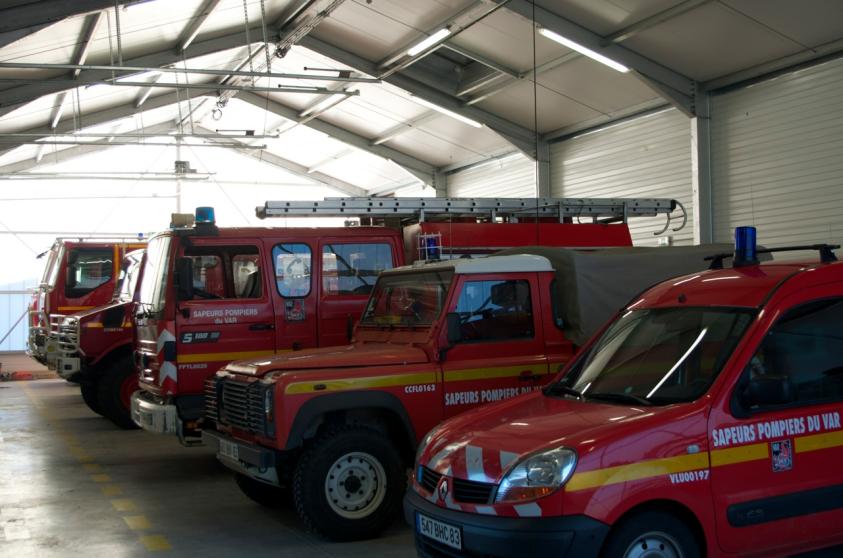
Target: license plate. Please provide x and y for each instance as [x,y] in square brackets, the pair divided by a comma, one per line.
[438,531]
[229,449]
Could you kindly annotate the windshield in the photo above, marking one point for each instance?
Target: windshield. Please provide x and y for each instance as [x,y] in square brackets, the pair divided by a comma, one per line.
[658,356]
[154,284]
[51,269]
[408,299]
[128,280]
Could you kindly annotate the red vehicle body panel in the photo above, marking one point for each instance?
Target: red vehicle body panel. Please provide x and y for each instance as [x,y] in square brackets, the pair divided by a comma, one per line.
[697,456]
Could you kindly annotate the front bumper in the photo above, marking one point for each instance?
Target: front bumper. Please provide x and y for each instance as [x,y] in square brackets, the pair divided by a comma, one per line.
[154,416]
[491,536]
[67,366]
[247,459]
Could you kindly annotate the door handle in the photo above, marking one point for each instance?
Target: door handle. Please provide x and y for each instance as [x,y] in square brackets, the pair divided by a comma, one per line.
[528,376]
[261,327]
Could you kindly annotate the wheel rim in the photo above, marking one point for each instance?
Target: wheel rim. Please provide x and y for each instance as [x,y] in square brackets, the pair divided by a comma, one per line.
[127,388]
[654,544]
[355,485]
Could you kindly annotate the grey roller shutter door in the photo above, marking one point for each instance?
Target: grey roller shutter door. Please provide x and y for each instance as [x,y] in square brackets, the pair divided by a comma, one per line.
[649,157]
[509,177]
[777,158]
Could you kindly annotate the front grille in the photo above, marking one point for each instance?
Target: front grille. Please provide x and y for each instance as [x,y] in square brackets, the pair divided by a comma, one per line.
[429,479]
[237,404]
[466,491]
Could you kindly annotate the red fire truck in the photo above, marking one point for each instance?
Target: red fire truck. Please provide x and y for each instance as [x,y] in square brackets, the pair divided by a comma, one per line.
[214,295]
[339,425]
[79,274]
[703,421]
[94,348]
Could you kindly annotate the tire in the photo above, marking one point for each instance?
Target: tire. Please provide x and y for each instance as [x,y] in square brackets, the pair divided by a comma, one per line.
[653,534]
[116,385]
[262,493]
[90,395]
[351,453]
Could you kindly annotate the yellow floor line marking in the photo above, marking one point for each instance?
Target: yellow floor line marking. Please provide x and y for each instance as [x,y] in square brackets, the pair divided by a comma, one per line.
[155,543]
[80,454]
[123,505]
[92,467]
[111,490]
[137,522]
[100,478]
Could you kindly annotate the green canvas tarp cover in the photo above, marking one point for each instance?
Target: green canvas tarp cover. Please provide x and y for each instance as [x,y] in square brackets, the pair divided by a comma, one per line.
[592,285]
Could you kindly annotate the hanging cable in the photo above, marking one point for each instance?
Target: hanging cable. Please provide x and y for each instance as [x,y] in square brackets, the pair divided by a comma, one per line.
[536,123]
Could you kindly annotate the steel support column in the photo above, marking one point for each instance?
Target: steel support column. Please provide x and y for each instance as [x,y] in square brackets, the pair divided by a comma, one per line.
[701,171]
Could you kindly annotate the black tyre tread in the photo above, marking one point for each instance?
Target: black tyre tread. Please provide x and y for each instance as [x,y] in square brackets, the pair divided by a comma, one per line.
[635,525]
[108,395]
[261,493]
[90,395]
[392,502]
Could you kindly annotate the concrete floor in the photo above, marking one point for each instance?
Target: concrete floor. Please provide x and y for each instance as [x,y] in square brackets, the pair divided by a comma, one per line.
[73,484]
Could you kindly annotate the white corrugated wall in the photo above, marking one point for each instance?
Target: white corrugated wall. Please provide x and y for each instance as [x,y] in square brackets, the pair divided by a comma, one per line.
[513,176]
[777,158]
[649,157]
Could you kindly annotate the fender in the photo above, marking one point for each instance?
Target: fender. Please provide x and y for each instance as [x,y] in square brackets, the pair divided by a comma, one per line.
[315,408]
[111,350]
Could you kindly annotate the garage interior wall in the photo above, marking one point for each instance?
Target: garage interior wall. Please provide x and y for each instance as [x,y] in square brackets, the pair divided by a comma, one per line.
[649,157]
[513,176]
[776,158]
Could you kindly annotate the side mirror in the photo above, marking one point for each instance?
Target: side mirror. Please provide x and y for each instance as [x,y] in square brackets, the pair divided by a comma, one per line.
[767,390]
[184,278]
[452,323]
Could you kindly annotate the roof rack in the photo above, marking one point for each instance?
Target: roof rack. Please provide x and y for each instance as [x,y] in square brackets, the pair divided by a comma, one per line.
[603,210]
[825,250]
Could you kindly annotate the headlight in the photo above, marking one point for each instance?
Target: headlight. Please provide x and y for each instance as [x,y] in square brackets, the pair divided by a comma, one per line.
[537,475]
[267,403]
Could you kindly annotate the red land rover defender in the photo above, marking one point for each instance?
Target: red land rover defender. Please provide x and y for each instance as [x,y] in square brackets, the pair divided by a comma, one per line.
[339,426]
[94,348]
[703,421]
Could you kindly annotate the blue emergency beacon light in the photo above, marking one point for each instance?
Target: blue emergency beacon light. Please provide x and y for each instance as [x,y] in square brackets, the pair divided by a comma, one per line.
[746,249]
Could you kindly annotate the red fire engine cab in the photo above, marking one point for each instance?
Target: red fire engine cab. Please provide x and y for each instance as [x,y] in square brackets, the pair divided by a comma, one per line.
[79,274]
[704,420]
[94,347]
[213,295]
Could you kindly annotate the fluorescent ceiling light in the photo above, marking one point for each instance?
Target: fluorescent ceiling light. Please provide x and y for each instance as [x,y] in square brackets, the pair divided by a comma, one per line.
[583,50]
[428,42]
[445,111]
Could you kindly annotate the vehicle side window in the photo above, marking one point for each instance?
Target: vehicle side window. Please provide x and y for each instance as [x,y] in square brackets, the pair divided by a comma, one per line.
[352,269]
[225,272]
[292,269]
[806,347]
[491,310]
[87,269]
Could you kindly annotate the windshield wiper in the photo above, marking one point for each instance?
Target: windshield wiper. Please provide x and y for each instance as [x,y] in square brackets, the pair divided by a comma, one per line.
[620,398]
[561,389]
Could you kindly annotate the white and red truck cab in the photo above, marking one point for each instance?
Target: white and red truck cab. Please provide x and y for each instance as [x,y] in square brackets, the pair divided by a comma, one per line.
[79,274]
[339,426]
[94,347]
[214,295]
[704,420]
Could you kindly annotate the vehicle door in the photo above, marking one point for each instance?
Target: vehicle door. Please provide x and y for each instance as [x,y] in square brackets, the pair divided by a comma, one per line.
[230,315]
[777,442]
[349,271]
[294,295]
[500,353]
